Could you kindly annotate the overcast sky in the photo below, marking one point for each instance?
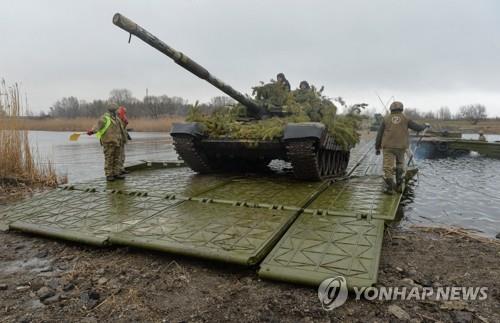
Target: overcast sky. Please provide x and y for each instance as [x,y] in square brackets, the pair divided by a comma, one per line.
[426,53]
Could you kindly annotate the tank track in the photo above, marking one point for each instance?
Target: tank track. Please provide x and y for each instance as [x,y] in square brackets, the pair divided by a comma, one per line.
[310,164]
[185,147]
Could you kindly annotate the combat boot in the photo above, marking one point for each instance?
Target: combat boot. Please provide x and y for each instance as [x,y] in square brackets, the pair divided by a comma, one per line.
[110,178]
[389,186]
[120,176]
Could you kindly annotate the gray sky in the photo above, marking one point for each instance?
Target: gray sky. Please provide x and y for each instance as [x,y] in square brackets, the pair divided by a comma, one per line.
[426,53]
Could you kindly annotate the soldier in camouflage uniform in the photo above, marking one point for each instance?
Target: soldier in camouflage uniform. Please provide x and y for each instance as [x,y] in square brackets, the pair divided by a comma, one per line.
[393,139]
[482,137]
[304,85]
[109,130]
[280,78]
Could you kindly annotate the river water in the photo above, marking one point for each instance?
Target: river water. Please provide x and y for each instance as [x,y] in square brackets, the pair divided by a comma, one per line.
[459,191]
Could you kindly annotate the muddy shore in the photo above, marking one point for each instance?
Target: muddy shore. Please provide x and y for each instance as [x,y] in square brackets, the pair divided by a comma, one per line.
[44,280]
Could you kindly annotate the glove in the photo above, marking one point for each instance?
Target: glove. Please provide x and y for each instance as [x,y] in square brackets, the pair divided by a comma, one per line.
[128,136]
[90,132]
[377,152]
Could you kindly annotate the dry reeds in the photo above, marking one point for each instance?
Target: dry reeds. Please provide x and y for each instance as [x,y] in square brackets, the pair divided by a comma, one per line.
[18,165]
[456,232]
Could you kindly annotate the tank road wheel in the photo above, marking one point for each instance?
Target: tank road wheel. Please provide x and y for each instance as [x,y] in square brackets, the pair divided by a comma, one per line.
[186,148]
[324,162]
[304,159]
[310,163]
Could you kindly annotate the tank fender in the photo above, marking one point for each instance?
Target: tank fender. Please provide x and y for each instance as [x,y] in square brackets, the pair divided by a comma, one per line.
[301,130]
[188,128]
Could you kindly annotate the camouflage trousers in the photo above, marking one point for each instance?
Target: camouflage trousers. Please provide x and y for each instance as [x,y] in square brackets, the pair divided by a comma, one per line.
[122,157]
[393,159]
[112,161]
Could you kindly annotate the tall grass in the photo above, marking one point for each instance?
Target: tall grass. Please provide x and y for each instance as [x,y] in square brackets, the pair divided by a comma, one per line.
[162,124]
[18,162]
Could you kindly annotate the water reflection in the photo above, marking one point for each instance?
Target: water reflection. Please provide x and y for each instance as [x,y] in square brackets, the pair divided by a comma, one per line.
[455,191]
[83,159]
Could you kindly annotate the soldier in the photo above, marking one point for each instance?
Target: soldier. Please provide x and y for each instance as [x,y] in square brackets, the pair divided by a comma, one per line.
[393,138]
[122,117]
[109,130]
[280,78]
[304,85]
[481,136]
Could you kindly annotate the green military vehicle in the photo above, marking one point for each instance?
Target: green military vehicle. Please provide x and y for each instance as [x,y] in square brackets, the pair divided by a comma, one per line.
[303,139]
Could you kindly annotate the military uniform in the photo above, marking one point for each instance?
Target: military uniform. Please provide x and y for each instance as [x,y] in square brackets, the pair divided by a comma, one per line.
[280,78]
[393,139]
[110,132]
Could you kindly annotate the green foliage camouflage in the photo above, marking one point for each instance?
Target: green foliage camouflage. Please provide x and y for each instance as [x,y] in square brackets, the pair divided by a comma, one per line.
[301,105]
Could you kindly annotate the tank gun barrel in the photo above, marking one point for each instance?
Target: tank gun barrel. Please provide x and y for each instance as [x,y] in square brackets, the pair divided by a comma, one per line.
[253,109]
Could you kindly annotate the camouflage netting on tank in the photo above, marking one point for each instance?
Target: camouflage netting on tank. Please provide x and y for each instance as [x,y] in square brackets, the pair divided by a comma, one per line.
[301,105]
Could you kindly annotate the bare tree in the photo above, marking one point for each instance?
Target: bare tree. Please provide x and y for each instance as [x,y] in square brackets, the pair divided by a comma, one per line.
[444,113]
[221,101]
[412,113]
[121,96]
[66,107]
[429,115]
[473,112]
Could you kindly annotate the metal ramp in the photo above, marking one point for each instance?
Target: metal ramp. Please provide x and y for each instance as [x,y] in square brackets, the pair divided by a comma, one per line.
[317,247]
[236,234]
[308,231]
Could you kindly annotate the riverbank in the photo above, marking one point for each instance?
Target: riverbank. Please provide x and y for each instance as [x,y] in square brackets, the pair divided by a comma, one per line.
[162,124]
[489,126]
[48,280]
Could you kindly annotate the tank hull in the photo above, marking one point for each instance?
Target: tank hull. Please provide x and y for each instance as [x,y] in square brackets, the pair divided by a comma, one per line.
[312,152]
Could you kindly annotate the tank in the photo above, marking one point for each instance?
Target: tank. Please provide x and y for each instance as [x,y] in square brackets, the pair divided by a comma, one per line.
[312,151]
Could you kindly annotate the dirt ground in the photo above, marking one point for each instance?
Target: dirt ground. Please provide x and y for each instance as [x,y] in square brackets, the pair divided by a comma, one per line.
[44,280]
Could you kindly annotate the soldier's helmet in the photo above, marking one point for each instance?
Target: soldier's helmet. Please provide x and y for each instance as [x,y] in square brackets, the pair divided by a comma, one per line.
[304,85]
[112,107]
[396,106]
[280,76]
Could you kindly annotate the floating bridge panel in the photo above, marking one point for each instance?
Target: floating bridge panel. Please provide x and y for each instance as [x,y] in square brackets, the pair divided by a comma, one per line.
[274,191]
[87,217]
[30,206]
[317,247]
[371,165]
[359,155]
[159,182]
[360,197]
[241,235]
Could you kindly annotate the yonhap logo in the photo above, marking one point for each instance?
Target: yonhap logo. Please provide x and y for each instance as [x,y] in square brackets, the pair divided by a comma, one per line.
[332,292]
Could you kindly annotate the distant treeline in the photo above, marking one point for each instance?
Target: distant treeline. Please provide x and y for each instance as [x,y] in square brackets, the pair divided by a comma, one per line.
[149,107]
[471,112]
[164,106]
